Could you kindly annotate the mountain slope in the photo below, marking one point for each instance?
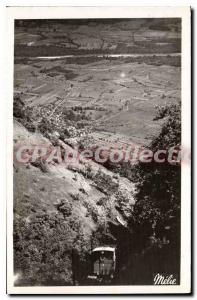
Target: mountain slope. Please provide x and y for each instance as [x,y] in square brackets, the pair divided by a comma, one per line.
[58,209]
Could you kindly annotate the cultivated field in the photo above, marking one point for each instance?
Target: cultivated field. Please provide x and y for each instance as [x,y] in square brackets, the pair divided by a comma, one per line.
[118,98]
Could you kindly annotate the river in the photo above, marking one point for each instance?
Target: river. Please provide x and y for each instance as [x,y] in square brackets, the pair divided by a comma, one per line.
[104,56]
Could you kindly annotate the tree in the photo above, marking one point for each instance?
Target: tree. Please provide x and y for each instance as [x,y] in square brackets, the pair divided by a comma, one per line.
[157,211]
[155,221]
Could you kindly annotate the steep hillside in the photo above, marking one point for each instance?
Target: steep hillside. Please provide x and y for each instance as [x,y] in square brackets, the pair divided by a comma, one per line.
[61,208]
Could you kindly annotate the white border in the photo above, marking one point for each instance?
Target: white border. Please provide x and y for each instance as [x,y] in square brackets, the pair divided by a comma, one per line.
[106,12]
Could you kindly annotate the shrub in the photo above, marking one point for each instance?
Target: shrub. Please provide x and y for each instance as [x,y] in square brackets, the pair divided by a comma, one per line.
[39,163]
[18,107]
[42,250]
[65,207]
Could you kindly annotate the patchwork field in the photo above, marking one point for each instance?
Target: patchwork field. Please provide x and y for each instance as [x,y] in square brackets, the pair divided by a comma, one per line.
[118,98]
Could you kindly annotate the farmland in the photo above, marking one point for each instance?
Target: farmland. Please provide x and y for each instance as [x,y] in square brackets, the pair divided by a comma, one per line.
[113,94]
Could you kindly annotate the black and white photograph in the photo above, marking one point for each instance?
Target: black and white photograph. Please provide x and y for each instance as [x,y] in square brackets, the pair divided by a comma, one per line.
[99,197]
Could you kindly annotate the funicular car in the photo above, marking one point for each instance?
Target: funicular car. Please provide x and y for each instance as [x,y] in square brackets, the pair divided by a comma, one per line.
[103,264]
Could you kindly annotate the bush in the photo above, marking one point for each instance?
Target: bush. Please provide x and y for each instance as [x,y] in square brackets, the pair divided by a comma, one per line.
[42,250]
[18,107]
[64,207]
[39,163]
[45,244]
